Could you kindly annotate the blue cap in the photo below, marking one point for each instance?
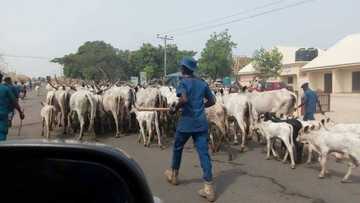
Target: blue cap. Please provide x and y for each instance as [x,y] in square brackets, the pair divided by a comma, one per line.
[189,63]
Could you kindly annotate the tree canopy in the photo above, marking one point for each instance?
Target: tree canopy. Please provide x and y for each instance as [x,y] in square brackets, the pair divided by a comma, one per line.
[120,64]
[268,63]
[216,58]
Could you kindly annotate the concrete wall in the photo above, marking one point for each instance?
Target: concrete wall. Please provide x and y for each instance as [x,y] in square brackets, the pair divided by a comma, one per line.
[341,79]
[295,81]
[316,80]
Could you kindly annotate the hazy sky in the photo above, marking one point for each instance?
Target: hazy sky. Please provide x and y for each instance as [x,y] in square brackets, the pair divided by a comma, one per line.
[52,28]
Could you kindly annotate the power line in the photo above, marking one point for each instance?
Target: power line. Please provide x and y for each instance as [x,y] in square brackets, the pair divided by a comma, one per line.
[226,17]
[247,17]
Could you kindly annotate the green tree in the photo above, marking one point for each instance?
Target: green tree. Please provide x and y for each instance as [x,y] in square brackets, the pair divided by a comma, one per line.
[173,56]
[149,55]
[150,72]
[268,63]
[120,64]
[91,56]
[216,58]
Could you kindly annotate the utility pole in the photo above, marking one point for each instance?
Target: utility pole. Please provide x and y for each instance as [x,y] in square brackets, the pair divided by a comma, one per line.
[165,38]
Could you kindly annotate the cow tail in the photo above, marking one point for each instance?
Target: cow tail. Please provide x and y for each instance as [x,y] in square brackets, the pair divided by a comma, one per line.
[117,106]
[251,116]
[51,100]
[92,112]
[291,135]
[51,119]
[226,122]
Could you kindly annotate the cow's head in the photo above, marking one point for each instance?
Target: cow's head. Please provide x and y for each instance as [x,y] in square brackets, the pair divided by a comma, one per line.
[323,122]
[328,122]
[244,89]
[303,132]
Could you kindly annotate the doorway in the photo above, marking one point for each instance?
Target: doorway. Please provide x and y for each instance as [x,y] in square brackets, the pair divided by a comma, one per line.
[356,81]
[328,82]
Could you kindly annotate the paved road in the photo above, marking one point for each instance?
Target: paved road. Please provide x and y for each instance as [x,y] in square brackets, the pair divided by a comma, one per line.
[249,178]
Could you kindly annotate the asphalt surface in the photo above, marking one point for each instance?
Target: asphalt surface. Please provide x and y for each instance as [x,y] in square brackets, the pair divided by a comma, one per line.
[248,178]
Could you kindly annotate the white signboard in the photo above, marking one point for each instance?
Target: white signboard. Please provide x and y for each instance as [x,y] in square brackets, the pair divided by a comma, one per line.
[142,78]
[134,80]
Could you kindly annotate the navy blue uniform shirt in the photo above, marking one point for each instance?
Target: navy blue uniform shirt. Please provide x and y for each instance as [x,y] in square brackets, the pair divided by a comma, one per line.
[7,99]
[193,118]
[310,100]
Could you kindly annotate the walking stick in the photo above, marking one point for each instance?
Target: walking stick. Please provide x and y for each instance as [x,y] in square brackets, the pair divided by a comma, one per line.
[21,124]
[152,109]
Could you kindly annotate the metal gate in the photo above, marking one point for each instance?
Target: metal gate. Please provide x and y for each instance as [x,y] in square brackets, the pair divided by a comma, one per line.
[324,99]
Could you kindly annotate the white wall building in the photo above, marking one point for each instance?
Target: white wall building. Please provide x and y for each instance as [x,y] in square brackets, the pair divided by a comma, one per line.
[338,69]
[291,69]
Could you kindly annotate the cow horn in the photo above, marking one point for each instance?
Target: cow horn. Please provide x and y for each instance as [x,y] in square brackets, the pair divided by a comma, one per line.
[103,72]
[49,82]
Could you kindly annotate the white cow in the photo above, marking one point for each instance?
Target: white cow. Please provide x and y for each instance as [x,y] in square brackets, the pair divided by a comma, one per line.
[118,102]
[151,97]
[281,102]
[62,98]
[50,87]
[113,102]
[327,141]
[59,98]
[217,116]
[324,123]
[83,103]
[37,90]
[148,121]
[47,116]
[238,107]
[170,94]
[283,131]
[344,127]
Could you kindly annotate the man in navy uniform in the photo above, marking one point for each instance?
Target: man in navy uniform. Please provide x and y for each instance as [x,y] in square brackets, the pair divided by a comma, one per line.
[9,84]
[193,123]
[309,102]
[7,103]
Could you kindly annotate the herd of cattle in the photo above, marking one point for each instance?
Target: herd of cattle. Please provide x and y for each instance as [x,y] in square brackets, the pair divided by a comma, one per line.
[96,107]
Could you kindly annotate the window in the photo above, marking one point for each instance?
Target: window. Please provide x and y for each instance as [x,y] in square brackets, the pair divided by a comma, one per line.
[356,81]
[290,80]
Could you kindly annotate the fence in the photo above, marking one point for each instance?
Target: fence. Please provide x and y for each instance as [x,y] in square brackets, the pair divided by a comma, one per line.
[324,99]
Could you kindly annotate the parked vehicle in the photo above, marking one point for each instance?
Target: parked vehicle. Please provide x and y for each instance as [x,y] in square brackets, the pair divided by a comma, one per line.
[269,86]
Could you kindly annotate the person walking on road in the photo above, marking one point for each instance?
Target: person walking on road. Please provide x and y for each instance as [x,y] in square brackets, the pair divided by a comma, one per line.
[193,123]
[23,90]
[7,103]
[309,102]
[18,88]
[14,89]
